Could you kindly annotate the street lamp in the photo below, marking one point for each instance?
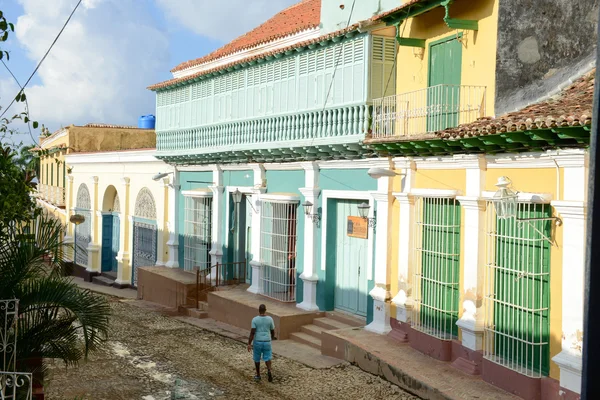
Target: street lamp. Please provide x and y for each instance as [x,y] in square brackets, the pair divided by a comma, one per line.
[76,219]
[363,212]
[237,196]
[505,203]
[308,208]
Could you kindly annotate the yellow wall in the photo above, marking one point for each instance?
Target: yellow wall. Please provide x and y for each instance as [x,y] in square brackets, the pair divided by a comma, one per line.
[479,48]
[92,139]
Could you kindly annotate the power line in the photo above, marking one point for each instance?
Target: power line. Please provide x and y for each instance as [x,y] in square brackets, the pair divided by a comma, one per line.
[26,102]
[43,58]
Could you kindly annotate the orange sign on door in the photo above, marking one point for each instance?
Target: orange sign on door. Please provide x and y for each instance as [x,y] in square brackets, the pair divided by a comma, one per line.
[358,227]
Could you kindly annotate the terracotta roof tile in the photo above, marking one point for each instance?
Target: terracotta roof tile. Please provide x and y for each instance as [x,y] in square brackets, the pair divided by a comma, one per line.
[311,11]
[571,107]
[299,17]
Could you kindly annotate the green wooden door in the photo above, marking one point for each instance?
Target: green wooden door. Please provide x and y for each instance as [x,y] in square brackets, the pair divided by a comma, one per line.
[443,94]
[522,290]
[351,285]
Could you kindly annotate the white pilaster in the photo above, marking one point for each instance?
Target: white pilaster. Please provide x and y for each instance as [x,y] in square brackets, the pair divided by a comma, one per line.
[125,239]
[403,299]
[162,225]
[569,359]
[381,291]
[309,277]
[68,240]
[216,251]
[173,242]
[259,188]
[472,319]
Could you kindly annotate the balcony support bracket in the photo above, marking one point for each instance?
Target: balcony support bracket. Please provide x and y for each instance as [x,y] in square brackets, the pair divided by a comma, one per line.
[453,23]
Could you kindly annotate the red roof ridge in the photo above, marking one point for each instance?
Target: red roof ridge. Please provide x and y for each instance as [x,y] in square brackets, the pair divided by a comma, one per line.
[279,26]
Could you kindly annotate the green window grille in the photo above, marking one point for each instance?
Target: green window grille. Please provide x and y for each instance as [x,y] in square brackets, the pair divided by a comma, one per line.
[517,330]
[51,174]
[437,266]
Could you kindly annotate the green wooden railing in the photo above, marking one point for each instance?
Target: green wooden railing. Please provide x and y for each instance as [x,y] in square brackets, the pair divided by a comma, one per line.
[309,128]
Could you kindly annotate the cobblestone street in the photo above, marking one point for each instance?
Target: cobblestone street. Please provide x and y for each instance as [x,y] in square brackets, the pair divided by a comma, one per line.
[152,356]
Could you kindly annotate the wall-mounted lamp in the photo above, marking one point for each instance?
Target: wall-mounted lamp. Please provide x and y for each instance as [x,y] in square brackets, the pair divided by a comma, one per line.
[363,212]
[381,172]
[162,175]
[237,196]
[308,208]
[505,204]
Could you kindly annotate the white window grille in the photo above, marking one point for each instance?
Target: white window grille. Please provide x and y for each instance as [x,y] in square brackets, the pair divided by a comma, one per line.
[436,263]
[198,238]
[278,250]
[517,290]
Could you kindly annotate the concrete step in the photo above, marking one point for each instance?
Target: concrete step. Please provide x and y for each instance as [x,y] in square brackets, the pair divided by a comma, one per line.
[102,280]
[312,330]
[306,339]
[192,312]
[347,319]
[329,324]
[203,305]
[110,275]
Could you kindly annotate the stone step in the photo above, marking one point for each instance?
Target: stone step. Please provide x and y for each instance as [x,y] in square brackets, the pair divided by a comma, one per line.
[312,330]
[110,275]
[330,324]
[350,320]
[102,280]
[203,305]
[306,339]
[192,312]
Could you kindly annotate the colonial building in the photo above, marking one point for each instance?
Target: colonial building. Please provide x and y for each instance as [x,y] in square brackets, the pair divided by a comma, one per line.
[342,157]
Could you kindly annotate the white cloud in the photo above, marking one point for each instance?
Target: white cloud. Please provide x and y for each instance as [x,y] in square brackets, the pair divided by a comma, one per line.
[100,67]
[222,20]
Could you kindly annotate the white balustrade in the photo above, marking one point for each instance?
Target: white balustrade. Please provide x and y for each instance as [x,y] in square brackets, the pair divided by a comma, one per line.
[427,110]
[312,126]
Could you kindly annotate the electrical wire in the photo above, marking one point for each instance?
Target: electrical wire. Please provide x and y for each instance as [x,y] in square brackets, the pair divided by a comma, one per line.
[26,102]
[43,58]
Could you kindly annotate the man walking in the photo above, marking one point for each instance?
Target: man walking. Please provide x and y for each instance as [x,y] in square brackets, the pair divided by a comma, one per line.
[263,331]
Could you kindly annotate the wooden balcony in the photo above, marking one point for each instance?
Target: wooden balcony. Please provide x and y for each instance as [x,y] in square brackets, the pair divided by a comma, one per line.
[326,134]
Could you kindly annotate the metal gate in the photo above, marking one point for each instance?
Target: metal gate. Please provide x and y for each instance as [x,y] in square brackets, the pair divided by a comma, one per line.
[83,232]
[278,250]
[144,246]
[145,233]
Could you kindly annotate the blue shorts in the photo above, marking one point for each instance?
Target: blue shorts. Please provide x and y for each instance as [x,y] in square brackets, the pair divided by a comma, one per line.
[264,349]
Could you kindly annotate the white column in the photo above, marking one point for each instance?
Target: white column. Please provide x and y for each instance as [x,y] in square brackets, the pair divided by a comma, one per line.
[569,360]
[472,319]
[93,248]
[381,291]
[162,226]
[125,239]
[216,251]
[255,263]
[173,242]
[403,299]
[309,277]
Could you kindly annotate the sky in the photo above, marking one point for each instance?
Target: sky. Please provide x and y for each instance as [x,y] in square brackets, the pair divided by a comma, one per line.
[110,52]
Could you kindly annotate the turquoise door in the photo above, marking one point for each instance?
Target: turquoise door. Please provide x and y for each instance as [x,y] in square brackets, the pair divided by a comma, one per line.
[351,284]
[110,242]
[443,94]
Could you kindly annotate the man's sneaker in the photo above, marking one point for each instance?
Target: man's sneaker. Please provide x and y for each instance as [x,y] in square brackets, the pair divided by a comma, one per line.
[270,376]
[257,378]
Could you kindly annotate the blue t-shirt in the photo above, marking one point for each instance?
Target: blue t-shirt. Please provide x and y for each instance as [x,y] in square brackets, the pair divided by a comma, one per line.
[263,326]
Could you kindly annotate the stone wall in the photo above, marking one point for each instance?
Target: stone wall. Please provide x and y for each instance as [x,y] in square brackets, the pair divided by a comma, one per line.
[96,139]
[541,45]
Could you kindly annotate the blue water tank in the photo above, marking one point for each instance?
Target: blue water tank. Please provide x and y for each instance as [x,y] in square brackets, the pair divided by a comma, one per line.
[147,122]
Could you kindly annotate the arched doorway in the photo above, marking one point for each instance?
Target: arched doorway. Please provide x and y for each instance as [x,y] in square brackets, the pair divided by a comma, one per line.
[144,233]
[83,232]
[111,208]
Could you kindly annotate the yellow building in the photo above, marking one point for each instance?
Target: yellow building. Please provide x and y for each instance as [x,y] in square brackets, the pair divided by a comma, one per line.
[488,212]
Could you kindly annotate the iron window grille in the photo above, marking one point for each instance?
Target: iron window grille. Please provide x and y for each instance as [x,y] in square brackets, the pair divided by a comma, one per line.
[436,261]
[278,250]
[517,290]
[198,233]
